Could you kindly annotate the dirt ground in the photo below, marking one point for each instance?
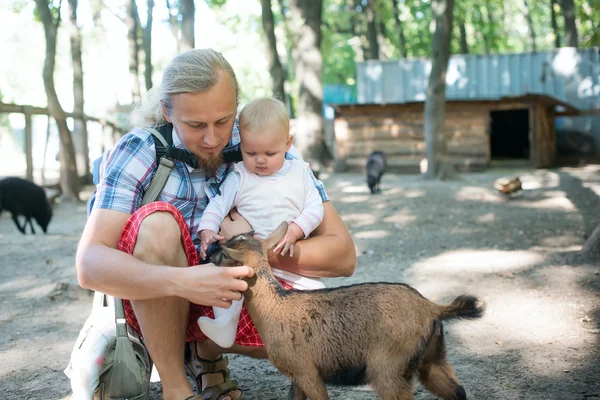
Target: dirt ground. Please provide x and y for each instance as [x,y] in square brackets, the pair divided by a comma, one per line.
[539,338]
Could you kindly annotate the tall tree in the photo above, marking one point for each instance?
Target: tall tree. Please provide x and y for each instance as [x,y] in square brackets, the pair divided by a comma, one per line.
[174,21]
[571,37]
[369,11]
[80,126]
[187,11]
[132,20]
[438,164]
[69,181]
[401,37]
[147,45]
[554,23]
[275,67]
[527,13]
[306,27]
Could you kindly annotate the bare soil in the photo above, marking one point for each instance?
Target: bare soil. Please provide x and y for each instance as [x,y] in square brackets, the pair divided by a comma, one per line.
[539,338]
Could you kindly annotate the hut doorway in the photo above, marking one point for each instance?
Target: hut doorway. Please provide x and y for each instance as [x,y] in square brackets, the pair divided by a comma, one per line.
[509,136]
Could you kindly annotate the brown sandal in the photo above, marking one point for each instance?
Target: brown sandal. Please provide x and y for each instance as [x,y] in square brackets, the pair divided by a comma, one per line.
[196,367]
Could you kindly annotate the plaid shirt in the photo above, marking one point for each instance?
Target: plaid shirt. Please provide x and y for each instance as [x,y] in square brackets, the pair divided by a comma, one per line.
[131,165]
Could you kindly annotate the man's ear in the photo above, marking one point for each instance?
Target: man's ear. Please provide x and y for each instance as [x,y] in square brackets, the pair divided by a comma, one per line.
[165,113]
[288,142]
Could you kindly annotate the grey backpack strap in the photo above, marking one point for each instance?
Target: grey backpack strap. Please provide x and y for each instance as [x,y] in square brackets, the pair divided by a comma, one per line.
[159,180]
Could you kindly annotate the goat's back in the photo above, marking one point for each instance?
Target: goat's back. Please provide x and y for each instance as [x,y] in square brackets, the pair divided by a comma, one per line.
[342,327]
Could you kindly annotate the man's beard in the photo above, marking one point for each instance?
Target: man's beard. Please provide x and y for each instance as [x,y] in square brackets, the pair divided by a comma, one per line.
[210,165]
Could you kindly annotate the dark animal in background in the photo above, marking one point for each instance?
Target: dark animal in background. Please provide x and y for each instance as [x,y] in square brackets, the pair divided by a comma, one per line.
[383,334]
[22,197]
[376,166]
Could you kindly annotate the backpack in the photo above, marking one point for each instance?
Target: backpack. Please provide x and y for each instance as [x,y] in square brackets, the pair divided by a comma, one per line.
[109,360]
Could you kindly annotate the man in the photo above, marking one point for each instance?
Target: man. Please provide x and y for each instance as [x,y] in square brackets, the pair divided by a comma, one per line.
[135,252]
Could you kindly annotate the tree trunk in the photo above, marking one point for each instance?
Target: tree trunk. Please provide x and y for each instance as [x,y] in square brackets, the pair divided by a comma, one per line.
[288,66]
[530,25]
[438,165]
[486,46]
[69,181]
[554,24]
[464,46]
[174,23]
[381,36]
[401,38]
[188,11]
[80,126]
[490,31]
[306,25]
[133,25]
[571,37]
[147,44]
[275,68]
[369,11]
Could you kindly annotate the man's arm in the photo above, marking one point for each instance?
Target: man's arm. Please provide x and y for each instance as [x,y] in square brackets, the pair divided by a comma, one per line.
[101,267]
[329,252]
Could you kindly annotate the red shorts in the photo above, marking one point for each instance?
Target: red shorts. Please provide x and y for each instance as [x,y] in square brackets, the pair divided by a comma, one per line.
[247,335]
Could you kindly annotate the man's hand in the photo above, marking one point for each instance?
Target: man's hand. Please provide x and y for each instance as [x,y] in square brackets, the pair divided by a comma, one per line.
[287,243]
[214,286]
[234,224]
[206,238]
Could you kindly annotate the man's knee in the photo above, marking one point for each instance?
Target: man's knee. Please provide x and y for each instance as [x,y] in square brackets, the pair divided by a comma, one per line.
[159,240]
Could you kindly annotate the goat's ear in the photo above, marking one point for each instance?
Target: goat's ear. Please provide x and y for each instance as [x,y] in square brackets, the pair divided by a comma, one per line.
[235,255]
[276,236]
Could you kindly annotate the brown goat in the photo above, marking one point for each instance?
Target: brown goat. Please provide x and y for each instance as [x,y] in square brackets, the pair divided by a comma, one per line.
[382,334]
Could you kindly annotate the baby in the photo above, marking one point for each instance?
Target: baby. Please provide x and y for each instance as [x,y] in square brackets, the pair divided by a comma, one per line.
[266,188]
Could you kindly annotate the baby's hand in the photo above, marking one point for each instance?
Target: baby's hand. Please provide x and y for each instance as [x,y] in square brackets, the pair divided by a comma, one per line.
[206,238]
[287,243]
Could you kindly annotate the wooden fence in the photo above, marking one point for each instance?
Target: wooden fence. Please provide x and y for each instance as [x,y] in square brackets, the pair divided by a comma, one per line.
[29,111]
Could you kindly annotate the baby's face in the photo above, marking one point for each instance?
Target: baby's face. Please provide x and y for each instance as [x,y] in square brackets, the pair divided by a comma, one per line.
[264,152]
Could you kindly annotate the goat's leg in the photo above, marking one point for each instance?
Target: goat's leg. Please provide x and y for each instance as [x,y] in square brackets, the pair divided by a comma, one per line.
[310,385]
[16,221]
[296,393]
[391,385]
[436,374]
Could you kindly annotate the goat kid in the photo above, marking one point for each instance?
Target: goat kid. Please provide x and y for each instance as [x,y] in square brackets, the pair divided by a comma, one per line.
[22,197]
[383,334]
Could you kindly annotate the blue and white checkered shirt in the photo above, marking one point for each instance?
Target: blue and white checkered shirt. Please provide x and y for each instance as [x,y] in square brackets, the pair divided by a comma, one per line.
[131,165]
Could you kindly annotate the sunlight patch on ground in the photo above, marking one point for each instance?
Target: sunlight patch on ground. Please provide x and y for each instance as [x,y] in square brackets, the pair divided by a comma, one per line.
[402,218]
[518,317]
[371,234]
[359,220]
[485,218]
[474,193]
[355,189]
[540,180]
[555,201]
[354,199]
[478,262]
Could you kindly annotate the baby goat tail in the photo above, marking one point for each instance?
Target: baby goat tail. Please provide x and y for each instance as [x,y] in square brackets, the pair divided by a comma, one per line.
[467,307]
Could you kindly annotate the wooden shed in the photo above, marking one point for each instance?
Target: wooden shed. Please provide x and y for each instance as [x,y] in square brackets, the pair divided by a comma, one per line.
[478,131]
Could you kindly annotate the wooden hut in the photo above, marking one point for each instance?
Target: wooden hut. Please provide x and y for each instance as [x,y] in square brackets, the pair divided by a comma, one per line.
[477,132]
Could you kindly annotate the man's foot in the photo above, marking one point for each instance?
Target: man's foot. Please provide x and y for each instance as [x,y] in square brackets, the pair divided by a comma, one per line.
[212,377]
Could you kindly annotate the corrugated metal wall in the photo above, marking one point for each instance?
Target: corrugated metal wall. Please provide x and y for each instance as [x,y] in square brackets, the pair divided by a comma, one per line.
[569,74]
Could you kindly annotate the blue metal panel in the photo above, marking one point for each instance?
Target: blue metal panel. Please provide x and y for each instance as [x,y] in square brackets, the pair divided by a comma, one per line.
[568,74]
